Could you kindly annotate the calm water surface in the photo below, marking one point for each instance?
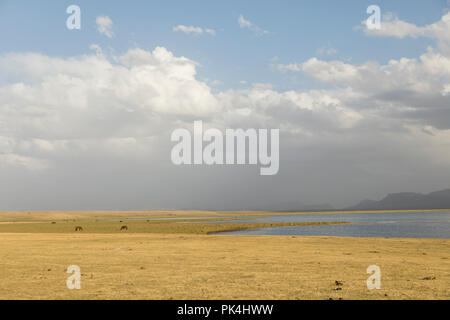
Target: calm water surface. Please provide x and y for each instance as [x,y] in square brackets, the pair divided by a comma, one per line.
[389,225]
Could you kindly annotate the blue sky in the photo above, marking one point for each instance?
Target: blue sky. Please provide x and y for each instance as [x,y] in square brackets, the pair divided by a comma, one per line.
[298,29]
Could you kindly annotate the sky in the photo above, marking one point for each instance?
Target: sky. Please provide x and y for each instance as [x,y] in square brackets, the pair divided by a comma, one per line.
[86,114]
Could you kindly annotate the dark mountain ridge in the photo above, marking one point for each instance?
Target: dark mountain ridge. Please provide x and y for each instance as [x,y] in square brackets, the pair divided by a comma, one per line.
[407,201]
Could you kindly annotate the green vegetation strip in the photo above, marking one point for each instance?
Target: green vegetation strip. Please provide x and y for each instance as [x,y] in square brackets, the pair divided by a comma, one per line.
[184,226]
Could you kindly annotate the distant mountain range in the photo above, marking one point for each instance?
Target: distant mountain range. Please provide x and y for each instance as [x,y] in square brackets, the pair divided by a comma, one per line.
[407,201]
[393,201]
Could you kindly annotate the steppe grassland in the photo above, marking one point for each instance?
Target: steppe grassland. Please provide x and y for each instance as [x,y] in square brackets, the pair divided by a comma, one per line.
[186,265]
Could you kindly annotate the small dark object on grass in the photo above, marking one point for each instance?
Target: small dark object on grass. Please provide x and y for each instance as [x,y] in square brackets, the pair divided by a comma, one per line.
[339,283]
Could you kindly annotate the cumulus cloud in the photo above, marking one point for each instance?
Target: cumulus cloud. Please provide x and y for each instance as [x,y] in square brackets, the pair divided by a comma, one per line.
[392,26]
[191,30]
[411,89]
[104,26]
[66,102]
[66,107]
[243,23]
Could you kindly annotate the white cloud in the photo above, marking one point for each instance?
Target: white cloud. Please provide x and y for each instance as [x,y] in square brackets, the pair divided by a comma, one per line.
[104,26]
[67,106]
[425,75]
[295,67]
[92,98]
[392,26]
[243,23]
[191,30]
[73,106]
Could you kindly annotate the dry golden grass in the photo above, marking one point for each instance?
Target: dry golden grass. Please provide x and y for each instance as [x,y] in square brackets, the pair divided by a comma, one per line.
[173,260]
[156,266]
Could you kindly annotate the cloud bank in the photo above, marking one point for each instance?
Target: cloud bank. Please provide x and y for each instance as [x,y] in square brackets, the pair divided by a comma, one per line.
[97,128]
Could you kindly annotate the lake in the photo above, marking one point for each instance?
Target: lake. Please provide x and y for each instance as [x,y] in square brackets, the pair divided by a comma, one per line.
[388,225]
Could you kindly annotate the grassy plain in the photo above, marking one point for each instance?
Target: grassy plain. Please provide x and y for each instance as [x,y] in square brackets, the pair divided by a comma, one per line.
[178,260]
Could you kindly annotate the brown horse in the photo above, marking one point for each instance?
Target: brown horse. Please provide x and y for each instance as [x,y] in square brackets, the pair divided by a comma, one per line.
[124,228]
[78,229]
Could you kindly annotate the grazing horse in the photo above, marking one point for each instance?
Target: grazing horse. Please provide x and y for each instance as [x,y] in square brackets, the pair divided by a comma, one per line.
[124,228]
[78,229]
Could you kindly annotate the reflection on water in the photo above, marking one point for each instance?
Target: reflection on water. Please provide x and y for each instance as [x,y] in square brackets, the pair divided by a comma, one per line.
[389,225]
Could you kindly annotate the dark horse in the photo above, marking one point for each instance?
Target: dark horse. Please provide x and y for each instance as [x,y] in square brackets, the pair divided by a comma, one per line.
[124,228]
[78,229]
